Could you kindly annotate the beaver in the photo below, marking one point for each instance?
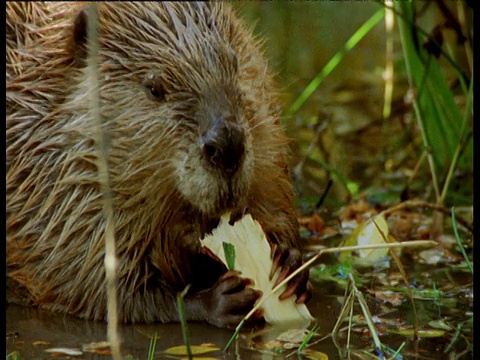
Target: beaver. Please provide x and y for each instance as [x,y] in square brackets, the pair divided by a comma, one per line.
[193,128]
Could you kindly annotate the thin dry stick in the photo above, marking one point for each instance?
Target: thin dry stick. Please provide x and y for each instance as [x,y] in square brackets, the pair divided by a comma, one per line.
[110,260]
[347,307]
[366,313]
[425,205]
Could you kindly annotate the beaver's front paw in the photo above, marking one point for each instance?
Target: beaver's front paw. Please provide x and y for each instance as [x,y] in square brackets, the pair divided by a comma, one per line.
[227,302]
[290,259]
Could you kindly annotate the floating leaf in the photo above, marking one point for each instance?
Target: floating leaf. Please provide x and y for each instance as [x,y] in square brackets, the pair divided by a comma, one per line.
[40,343]
[102,347]
[64,351]
[314,355]
[196,349]
[293,335]
[430,333]
[440,324]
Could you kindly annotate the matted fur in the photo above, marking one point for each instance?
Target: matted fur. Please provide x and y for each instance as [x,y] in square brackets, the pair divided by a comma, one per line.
[165,195]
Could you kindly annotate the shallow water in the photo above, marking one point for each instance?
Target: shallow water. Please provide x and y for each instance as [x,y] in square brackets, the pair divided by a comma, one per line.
[26,327]
[31,331]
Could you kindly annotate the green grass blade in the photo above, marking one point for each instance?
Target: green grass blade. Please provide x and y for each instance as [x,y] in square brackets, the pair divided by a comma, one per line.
[307,338]
[335,60]
[183,321]
[459,242]
[235,335]
[440,118]
[463,138]
[152,346]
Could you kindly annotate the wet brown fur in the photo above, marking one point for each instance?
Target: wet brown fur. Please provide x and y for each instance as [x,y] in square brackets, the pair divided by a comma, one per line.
[165,197]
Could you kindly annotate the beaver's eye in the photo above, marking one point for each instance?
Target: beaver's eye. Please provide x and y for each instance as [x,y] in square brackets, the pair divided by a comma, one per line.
[156,92]
[154,87]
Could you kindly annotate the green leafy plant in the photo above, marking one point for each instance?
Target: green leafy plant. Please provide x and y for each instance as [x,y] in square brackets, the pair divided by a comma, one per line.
[446,133]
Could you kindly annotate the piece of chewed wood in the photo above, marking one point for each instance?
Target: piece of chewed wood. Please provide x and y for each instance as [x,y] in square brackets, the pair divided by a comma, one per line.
[252,259]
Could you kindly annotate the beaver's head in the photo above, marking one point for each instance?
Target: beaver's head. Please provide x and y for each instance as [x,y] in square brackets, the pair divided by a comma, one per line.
[182,88]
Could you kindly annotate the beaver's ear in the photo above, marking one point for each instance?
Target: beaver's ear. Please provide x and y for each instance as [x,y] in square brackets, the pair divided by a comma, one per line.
[78,37]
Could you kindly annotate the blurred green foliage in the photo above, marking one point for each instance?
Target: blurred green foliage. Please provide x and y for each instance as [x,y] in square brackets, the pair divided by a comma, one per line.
[340,132]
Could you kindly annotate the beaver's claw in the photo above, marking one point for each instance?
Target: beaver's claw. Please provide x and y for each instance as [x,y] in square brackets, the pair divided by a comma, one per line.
[290,259]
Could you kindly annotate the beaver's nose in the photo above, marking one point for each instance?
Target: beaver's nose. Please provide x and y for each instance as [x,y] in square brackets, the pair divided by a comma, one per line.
[224,144]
